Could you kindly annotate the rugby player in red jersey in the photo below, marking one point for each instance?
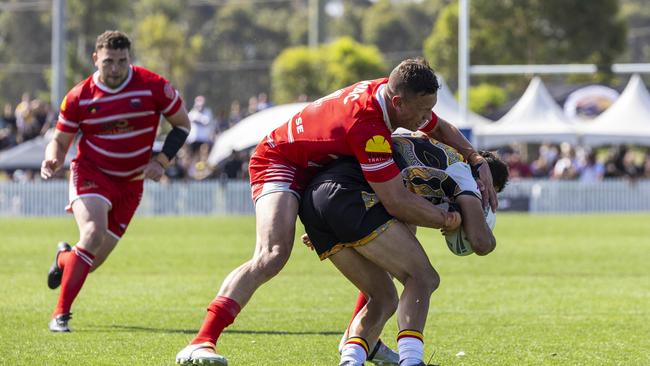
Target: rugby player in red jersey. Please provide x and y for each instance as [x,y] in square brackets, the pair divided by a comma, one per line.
[356,121]
[116,111]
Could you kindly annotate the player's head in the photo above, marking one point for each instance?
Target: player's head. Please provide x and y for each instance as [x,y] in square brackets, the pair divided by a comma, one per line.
[498,168]
[412,92]
[112,57]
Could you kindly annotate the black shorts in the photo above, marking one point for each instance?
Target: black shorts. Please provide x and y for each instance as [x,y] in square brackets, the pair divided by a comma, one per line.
[339,210]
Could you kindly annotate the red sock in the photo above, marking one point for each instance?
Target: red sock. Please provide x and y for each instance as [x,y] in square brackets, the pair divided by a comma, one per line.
[63,258]
[221,313]
[361,302]
[77,264]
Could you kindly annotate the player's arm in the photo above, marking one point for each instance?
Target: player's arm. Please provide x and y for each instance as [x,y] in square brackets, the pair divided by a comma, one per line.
[474,225]
[448,134]
[411,208]
[55,153]
[173,142]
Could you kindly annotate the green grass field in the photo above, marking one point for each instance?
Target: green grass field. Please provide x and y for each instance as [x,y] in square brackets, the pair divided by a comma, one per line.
[558,290]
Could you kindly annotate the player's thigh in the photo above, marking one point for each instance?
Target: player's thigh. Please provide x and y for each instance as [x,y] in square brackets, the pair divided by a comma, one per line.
[91,215]
[91,212]
[275,222]
[368,277]
[399,252]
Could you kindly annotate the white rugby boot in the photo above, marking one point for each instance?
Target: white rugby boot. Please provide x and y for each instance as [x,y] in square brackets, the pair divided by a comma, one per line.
[200,354]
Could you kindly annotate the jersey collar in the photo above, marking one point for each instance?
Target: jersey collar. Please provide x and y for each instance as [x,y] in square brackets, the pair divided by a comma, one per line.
[380,96]
[106,89]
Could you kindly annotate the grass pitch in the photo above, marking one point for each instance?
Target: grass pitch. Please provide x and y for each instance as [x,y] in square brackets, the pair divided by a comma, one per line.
[558,290]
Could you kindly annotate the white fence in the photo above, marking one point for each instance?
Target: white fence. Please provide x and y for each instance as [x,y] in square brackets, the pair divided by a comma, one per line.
[233,197]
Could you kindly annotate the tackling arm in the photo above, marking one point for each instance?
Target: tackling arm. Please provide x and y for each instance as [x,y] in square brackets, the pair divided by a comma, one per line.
[448,134]
[474,225]
[411,208]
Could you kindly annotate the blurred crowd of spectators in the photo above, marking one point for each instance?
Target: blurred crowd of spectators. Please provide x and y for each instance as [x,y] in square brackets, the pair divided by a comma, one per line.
[566,162]
[30,118]
[33,117]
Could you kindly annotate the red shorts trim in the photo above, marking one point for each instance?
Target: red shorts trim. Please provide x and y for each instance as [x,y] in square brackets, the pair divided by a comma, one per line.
[270,172]
[123,196]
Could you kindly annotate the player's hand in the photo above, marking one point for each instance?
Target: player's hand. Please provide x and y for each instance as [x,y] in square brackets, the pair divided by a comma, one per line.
[49,167]
[154,170]
[486,186]
[452,222]
[305,240]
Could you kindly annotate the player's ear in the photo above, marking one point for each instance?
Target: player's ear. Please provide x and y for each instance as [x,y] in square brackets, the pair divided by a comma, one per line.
[94,57]
[397,101]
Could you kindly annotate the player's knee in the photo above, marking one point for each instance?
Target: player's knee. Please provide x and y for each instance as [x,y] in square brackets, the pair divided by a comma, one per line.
[270,262]
[430,280]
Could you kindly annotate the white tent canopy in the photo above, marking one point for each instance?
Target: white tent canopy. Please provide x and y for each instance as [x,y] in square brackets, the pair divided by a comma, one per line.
[627,121]
[249,131]
[536,118]
[448,109]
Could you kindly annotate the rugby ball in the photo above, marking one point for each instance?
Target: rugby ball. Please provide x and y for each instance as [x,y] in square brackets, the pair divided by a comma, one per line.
[458,243]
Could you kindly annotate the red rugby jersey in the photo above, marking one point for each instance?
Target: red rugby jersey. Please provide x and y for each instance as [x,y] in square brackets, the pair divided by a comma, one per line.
[118,126]
[349,122]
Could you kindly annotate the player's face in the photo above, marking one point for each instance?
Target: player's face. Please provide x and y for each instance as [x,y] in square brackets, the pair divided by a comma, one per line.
[113,66]
[414,111]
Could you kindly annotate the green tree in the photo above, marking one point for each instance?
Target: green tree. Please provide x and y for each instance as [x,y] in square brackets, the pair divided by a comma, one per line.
[400,28]
[304,73]
[486,98]
[529,32]
[295,75]
[165,47]
[25,42]
[347,61]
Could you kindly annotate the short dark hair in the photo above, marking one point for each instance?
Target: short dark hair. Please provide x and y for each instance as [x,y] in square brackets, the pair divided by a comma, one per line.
[114,40]
[498,168]
[413,76]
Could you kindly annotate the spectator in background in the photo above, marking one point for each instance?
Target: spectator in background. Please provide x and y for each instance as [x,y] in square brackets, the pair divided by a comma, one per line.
[263,101]
[516,166]
[204,126]
[566,166]
[232,168]
[252,106]
[646,165]
[235,113]
[592,171]
[24,118]
[199,168]
[7,127]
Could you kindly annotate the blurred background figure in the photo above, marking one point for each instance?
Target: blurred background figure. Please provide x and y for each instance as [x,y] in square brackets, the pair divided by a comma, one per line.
[204,126]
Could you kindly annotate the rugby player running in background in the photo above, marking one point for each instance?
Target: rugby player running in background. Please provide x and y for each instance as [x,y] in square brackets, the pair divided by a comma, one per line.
[117,110]
[347,223]
[357,122]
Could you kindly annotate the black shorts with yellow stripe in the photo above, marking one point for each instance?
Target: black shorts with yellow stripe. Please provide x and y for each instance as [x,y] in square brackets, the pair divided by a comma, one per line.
[340,210]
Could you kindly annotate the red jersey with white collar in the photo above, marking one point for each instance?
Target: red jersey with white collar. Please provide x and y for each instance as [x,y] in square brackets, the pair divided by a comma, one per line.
[118,126]
[349,122]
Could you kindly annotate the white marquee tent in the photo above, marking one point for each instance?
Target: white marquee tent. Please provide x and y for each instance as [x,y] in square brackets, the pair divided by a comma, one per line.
[536,118]
[627,121]
[249,131]
[448,109]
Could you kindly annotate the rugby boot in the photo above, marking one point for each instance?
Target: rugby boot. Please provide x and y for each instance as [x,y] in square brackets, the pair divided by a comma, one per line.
[200,354]
[56,273]
[382,355]
[59,323]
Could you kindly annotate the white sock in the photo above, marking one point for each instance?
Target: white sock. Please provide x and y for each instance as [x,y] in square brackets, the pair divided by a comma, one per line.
[411,350]
[354,351]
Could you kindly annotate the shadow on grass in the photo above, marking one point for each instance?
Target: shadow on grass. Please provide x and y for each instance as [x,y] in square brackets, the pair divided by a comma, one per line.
[135,328]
